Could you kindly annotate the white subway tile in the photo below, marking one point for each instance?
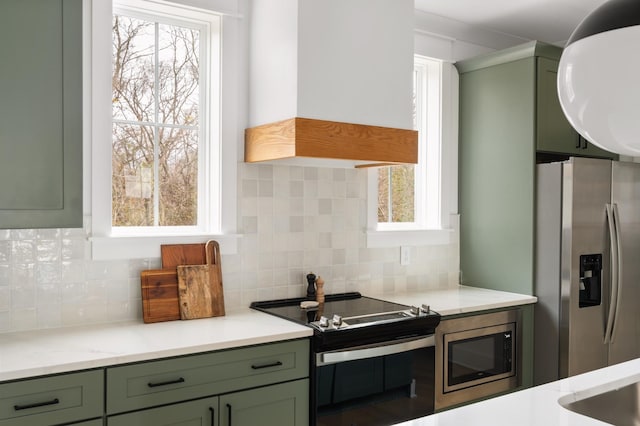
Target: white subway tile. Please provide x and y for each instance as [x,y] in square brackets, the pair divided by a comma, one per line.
[5,251]
[293,219]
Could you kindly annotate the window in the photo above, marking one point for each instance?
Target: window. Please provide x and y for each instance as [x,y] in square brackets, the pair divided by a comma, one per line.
[417,197]
[160,136]
[160,125]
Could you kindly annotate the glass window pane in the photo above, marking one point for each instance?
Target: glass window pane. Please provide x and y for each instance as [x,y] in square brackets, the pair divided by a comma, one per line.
[402,193]
[133,69]
[383,195]
[179,85]
[132,180]
[178,176]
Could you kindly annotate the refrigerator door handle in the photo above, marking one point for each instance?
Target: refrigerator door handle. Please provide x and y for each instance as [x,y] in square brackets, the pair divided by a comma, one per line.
[616,221]
[613,297]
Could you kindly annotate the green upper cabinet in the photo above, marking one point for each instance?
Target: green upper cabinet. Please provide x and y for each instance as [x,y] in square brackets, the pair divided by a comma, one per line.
[554,133]
[40,113]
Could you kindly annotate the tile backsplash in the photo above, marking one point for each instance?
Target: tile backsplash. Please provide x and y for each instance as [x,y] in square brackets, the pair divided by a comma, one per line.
[294,220]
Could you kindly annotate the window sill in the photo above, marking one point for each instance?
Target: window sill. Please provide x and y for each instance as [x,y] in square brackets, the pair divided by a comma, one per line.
[130,247]
[426,237]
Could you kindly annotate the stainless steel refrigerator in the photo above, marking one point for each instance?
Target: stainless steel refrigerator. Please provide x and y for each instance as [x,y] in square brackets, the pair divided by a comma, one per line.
[587,266]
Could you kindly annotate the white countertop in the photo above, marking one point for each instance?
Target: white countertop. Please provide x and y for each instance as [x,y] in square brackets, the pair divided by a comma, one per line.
[538,406]
[40,352]
[461,299]
[26,354]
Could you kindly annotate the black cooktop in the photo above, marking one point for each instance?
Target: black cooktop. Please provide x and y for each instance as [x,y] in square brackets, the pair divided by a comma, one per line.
[343,304]
[349,305]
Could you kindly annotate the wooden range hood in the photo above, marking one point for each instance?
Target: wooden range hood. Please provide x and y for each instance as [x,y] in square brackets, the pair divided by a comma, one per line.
[338,98]
[361,145]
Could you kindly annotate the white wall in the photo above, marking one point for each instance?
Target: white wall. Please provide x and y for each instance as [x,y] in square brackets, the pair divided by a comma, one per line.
[452,41]
[294,220]
[303,61]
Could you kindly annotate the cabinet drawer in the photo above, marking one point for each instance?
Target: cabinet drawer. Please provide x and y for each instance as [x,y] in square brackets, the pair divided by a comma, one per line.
[136,386]
[52,400]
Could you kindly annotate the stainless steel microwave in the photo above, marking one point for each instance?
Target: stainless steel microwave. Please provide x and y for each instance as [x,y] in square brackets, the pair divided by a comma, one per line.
[477,356]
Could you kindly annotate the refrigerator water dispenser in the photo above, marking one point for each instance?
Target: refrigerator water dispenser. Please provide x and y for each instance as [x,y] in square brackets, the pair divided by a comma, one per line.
[590,280]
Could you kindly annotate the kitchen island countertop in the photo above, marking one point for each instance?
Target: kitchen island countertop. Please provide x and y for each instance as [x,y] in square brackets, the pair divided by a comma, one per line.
[25,354]
[538,406]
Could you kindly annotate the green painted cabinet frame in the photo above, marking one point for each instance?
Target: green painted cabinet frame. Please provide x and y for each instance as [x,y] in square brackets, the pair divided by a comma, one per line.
[41,114]
[496,176]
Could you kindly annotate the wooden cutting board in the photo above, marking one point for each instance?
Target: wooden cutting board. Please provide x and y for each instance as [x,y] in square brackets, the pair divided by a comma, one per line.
[200,287]
[173,255]
[194,291]
[159,295]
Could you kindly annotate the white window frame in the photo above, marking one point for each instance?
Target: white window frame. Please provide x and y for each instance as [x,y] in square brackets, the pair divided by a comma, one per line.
[219,199]
[436,172]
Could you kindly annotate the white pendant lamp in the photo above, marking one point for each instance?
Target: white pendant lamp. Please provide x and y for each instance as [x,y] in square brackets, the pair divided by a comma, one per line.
[599,77]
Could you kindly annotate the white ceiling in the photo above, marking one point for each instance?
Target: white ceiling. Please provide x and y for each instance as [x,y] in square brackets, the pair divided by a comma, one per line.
[551,21]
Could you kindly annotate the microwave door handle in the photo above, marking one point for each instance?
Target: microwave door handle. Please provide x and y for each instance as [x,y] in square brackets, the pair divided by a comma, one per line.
[619,287]
[613,296]
[374,351]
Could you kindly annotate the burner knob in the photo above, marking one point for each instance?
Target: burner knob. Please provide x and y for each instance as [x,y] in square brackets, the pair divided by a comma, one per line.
[324,322]
[337,320]
[415,310]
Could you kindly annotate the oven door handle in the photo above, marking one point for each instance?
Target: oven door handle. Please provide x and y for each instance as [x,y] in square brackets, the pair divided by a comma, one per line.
[373,351]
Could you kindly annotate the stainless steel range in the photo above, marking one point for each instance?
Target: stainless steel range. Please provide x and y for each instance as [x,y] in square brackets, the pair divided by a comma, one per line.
[373,361]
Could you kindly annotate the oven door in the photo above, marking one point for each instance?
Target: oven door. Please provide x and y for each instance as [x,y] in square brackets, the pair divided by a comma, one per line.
[378,384]
[474,357]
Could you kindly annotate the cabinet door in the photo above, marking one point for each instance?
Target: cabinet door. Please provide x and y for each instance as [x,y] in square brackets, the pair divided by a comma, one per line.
[554,133]
[40,113]
[96,422]
[193,413]
[285,404]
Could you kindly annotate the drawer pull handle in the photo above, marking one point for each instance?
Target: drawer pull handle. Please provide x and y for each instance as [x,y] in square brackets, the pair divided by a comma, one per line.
[272,364]
[229,412]
[170,382]
[37,404]
[213,416]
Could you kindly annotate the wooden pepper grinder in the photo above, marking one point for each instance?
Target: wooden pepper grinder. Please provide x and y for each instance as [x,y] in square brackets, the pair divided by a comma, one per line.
[319,289]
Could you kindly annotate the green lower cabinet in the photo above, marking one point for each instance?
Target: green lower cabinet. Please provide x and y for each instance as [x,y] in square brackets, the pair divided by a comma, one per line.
[285,404]
[53,400]
[167,381]
[96,422]
[193,413]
